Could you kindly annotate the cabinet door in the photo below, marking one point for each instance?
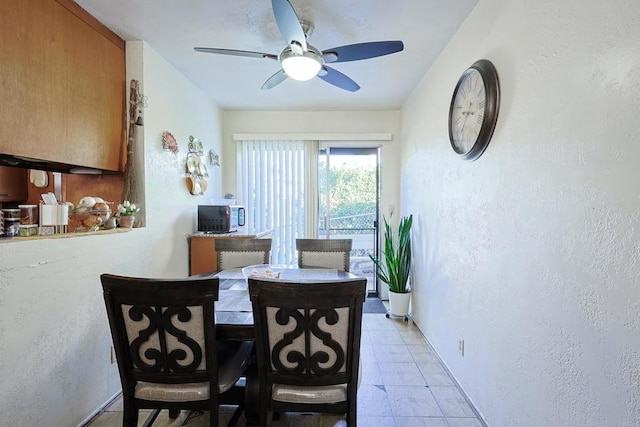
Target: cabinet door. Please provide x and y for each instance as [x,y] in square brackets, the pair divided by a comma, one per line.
[203,257]
[62,83]
[13,184]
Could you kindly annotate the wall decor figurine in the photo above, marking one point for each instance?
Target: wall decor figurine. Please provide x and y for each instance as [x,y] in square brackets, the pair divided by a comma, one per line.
[214,158]
[169,143]
[196,168]
[195,146]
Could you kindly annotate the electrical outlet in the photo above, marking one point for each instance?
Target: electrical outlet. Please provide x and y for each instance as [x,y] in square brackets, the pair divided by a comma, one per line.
[461,346]
[112,354]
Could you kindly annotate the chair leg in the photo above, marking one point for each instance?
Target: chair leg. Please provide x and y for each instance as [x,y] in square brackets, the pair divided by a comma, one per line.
[265,418]
[252,395]
[151,418]
[192,414]
[173,413]
[236,416]
[351,415]
[129,416]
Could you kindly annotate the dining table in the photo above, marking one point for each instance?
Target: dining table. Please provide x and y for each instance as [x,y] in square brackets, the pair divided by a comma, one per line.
[234,316]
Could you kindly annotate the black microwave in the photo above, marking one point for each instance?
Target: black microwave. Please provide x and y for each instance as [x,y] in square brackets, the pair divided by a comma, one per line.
[220,218]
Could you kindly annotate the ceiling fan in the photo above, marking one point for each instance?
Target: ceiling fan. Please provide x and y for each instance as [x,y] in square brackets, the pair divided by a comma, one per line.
[302,61]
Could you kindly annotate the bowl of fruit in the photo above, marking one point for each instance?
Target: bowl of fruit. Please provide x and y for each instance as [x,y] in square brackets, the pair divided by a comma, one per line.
[90,214]
[263,271]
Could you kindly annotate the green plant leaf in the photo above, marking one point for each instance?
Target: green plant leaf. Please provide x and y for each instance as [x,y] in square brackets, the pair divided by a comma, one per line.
[396,268]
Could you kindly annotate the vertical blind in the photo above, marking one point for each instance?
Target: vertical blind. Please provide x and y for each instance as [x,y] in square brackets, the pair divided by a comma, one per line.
[278,186]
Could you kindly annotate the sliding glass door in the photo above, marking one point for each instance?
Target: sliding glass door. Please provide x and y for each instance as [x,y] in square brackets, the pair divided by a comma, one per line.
[348,183]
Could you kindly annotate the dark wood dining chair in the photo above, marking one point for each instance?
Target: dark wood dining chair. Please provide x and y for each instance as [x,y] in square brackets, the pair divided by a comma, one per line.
[164,335]
[324,253]
[307,338]
[235,253]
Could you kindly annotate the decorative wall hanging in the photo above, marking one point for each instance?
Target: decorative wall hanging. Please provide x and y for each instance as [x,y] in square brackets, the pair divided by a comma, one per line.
[141,102]
[169,143]
[195,146]
[474,110]
[214,158]
[135,108]
[196,168]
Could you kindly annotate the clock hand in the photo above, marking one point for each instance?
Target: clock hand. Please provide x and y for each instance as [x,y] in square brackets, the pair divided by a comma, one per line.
[466,116]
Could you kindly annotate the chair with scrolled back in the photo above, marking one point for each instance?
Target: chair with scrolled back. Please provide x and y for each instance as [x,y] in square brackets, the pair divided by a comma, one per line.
[324,253]
[239,252]
[164,335]
[307,338]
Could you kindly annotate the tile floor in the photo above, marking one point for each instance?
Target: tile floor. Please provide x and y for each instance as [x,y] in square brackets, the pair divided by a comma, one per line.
[402,386]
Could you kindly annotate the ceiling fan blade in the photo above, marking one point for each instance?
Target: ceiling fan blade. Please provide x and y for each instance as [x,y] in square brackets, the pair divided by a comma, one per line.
[274,80]
[356,52]
[289,24]
[338,79]
[236,52]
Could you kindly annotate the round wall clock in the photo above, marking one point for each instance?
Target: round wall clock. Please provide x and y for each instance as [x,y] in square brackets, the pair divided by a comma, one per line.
[474,110]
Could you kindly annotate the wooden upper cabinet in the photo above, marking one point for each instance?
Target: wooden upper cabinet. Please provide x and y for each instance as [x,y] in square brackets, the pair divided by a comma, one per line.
[62,85]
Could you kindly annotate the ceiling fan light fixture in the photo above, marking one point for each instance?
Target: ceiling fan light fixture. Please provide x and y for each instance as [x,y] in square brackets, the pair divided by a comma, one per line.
[301,67]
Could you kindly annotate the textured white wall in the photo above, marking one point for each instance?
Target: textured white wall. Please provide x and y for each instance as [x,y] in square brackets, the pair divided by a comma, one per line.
[54,336]
[531,253]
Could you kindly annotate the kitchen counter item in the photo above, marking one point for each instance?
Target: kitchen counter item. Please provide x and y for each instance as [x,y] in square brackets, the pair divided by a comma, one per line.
[88,221]
[28,230]
[11,213]
[28,214]
[11,226]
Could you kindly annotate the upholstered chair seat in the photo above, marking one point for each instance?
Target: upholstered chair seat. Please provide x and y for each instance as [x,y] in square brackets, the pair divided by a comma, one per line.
[309,394]
[238,362]
[301,394]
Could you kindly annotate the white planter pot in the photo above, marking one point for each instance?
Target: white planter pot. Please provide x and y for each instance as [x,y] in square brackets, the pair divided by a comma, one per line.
[399,303]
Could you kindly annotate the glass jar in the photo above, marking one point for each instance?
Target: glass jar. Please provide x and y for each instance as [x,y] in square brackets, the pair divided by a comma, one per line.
[28,230]
[11,213]
[11,226]
[28,214]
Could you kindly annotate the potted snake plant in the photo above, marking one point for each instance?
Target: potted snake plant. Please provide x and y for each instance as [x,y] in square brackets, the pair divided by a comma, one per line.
[395,265]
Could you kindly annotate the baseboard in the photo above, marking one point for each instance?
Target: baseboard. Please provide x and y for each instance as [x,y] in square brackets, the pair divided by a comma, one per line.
[453,378]
[100,409]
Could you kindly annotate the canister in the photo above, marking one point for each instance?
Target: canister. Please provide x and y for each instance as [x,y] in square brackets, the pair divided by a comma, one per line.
[28,230]
[11,227]
[11,213]
[28,214]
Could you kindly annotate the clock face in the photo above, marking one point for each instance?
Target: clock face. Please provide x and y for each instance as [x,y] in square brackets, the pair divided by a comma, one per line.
[474,110]
[468,111]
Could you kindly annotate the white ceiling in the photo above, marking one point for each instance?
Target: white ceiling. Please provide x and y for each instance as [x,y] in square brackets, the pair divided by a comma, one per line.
[174,27]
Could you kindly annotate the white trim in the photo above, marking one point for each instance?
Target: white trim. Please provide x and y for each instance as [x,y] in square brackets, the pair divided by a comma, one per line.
[373,136]
[350,144]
